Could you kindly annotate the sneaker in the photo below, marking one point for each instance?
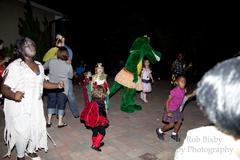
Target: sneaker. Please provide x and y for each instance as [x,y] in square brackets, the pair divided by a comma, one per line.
[176,137]
[33,156]
[96,148]
[62,125]
[145,100]
[101,144]
[160,135]
[48,125]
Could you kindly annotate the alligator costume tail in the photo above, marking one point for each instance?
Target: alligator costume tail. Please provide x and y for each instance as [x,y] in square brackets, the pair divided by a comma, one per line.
[115,87]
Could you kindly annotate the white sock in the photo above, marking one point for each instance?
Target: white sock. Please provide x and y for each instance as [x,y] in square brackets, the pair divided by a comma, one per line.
[174,134]
[141,95]
[160,131]
[144,96]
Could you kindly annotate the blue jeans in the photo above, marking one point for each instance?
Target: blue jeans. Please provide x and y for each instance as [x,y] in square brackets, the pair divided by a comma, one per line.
[56,100]
[72,100]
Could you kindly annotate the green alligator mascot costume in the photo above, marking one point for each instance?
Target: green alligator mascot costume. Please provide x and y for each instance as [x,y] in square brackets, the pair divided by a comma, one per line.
[129,78]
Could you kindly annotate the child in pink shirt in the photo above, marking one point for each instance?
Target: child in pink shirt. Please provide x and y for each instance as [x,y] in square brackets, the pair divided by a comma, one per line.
[172,115]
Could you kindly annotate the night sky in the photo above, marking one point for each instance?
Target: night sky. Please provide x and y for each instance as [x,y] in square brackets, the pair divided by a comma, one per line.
[205,35]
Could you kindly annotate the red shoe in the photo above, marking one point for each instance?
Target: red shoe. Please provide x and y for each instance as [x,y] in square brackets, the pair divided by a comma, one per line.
[94,141]
[98,140]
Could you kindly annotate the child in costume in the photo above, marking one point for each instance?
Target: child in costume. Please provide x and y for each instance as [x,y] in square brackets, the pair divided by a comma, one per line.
[100,78]
[146,77]
[172,115]
[87,88]
[94,116]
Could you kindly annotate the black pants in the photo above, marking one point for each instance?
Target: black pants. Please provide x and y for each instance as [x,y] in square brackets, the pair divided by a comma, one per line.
[98,129]
[102,112]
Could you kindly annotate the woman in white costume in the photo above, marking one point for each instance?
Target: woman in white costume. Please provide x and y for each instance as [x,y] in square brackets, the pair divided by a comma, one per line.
[25,124]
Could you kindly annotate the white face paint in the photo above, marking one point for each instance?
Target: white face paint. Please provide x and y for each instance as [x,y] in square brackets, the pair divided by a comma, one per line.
[157,58]
[29,49]
[99,70]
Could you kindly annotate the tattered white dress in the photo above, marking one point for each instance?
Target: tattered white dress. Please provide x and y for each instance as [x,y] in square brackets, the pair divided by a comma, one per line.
[26,118]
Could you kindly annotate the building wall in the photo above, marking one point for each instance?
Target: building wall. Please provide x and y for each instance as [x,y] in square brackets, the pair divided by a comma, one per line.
[10,12]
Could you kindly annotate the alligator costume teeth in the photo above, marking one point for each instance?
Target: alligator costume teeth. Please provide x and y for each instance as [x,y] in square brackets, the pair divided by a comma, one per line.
[128,77]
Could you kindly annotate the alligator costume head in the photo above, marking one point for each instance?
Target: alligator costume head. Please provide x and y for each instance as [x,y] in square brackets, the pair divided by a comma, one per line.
[142,44]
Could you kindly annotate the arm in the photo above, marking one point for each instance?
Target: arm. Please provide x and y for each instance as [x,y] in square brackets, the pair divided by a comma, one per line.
[89,93]
[50,85]
[173,66]
[46,65]
[167,107]
[91,85]
[5,60]
[10,82]
[132,62]
[167,104]
[151,77]
[191,95]
[188,67]
[9,94]
[70,73]
[70,54]
[51,53]
[69,61]
[107,88]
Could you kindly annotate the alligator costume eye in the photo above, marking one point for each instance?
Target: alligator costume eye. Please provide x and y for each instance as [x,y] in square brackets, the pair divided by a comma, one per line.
[156,56]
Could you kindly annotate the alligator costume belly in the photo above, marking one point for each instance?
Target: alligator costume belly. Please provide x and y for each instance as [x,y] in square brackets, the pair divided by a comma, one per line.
[125,78]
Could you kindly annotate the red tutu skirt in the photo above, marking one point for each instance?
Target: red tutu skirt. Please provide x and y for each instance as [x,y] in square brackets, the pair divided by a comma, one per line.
[91,116]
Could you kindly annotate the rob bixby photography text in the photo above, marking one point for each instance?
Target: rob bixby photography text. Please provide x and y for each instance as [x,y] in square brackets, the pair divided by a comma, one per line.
[205,145]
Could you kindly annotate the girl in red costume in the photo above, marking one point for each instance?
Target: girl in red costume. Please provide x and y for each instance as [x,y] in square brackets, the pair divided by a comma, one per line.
[94,115]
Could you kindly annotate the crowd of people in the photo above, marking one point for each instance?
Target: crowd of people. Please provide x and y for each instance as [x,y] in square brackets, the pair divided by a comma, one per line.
[24,81]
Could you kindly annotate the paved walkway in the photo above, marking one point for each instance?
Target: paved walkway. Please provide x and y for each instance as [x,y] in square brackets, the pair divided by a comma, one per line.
[129,137]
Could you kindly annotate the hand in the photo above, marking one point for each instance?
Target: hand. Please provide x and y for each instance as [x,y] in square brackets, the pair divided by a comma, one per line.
[46,78]
[135,79]
[169,114]
[6,59]
[18,96]
[152,81]
[190,65]
[69,61]
[193,93]
[60,85]
[108,92]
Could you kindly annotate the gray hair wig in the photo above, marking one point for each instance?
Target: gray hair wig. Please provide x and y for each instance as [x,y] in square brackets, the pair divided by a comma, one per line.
[218,94]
